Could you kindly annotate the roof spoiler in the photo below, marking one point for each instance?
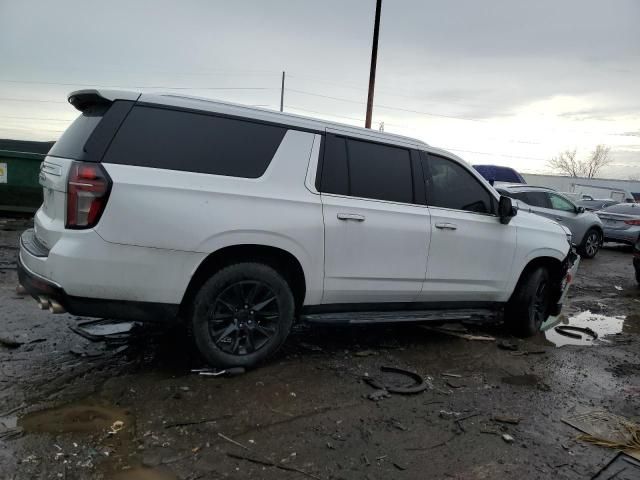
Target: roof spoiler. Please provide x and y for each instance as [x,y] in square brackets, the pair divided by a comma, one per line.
[81,99]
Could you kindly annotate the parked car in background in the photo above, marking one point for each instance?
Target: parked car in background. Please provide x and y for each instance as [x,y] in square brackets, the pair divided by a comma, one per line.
[594,204]
[621,222]
[585,227]
[240,221]
[497,173]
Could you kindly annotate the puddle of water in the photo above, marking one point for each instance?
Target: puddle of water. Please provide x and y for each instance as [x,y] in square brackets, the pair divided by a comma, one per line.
[526,379]
[143,473]
[603,325]
[74,418]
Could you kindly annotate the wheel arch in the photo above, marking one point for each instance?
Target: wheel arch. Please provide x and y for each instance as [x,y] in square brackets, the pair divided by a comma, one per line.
[552,264]
[595,226]
[281,260]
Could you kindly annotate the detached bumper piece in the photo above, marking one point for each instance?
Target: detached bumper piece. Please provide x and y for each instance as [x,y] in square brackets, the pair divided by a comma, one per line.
[569,269]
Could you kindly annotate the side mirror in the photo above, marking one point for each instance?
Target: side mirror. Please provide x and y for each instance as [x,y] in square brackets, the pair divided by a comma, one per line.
[580,210]
[506,210]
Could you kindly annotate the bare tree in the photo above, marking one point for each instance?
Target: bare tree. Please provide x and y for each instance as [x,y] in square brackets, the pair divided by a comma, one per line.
[567,162]
[599,158]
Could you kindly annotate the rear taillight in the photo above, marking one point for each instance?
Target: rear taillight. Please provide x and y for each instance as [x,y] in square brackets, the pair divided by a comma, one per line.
[88,189]
[632,222]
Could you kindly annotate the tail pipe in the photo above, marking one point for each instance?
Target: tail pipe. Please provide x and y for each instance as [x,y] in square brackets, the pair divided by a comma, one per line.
[55,307]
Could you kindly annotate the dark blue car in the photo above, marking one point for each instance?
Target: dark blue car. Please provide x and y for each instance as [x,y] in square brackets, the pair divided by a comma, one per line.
[495,173]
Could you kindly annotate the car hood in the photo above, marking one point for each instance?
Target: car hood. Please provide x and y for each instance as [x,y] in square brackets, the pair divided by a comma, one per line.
[527,218]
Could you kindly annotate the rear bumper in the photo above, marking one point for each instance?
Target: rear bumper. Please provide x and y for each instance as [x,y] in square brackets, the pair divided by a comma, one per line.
[39,287]
[36,265]
[629,236]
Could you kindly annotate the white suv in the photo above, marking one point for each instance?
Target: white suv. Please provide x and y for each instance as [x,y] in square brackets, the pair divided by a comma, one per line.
[240,221]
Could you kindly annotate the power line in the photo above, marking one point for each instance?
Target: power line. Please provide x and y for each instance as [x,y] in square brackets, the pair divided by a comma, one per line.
[22,129]
[5,99]
[453,117]
[38,118]
[492,154]
[388,107]
[290,107]
[32,82]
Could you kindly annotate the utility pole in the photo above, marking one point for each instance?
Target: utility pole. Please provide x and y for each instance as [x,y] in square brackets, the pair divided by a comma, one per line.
[282,94]
[372,70]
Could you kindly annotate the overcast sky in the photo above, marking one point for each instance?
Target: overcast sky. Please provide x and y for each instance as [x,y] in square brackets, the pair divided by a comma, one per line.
[499,81]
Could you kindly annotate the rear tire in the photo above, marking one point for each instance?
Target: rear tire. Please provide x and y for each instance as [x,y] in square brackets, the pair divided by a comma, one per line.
[529,305]
[591,243]
[242,315]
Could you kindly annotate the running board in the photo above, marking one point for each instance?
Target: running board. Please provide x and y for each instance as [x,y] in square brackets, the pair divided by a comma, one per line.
[353,318]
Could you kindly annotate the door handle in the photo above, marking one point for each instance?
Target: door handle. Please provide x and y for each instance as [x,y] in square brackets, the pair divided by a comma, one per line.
[351,216]
[558,219]
[446,226]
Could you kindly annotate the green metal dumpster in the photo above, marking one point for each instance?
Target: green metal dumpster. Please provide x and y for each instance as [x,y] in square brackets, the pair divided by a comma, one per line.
[20,190]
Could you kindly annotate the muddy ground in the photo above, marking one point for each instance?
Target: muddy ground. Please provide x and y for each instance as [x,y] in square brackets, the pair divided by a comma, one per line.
[73,409]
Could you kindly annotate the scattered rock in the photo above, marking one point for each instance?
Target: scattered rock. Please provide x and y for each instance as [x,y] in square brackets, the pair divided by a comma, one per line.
[508,438]
[378,395]
[506,419]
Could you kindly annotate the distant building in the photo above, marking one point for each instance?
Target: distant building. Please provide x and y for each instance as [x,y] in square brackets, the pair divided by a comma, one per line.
[621,190]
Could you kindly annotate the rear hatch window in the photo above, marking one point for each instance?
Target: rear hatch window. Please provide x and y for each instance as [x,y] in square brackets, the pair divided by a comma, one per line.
[88,136]
[71,143]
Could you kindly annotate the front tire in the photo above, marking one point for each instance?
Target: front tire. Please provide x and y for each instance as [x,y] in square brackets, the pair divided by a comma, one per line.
[242,315]
[591,243]
[530,304]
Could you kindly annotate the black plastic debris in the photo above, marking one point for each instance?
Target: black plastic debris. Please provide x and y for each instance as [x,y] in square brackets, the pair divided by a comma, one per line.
[416,386]
[110,331]
[575,332]
[622,467]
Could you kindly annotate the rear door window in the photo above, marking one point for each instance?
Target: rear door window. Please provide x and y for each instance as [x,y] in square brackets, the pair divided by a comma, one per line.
[537,199]
[452,186]
[379,171]
[195,142]
[367,170]
[335,173]
[560,203]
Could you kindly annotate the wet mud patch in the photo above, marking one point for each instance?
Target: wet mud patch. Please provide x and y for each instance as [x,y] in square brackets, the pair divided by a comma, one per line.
[602,325]
[526,380]
[144,473]
[624,369]
[87,417]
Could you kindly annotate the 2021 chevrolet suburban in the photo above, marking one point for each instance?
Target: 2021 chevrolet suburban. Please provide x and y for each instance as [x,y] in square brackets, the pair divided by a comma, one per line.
[240,221]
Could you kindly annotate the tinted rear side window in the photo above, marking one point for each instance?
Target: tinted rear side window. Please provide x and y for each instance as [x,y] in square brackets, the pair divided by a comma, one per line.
[367,170]
[335,173]
[71,143]
[178,140]
[379,171]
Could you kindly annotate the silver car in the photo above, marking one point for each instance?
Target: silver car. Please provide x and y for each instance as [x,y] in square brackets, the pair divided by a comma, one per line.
[621,222]
[586,228]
